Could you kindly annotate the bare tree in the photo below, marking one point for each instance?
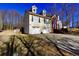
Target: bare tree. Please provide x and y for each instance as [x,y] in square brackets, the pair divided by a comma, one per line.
[52,10]
[62,14]
[12,19]
[1,21]
[73,10]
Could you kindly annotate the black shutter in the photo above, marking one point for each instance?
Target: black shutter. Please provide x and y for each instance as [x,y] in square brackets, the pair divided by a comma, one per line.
[39,19]
[32,18]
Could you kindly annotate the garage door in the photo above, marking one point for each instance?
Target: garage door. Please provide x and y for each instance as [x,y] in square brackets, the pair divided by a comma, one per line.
[35,31]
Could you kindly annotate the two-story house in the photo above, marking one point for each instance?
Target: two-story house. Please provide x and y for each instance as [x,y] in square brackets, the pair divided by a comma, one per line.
[36,23]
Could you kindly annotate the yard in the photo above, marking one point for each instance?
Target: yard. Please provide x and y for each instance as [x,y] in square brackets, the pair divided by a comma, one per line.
[17,44]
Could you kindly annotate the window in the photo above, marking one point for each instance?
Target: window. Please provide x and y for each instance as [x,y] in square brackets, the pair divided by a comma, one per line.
[46,21]
[34,10]
[39,19]
[35,19]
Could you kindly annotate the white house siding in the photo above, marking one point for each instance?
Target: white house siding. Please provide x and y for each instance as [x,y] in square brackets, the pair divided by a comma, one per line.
[47,26]
[59,25]
[34,27]
[37,27]
[41,23]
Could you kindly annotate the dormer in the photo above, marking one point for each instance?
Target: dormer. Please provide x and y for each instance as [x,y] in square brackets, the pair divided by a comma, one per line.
[44,12]
[34,9]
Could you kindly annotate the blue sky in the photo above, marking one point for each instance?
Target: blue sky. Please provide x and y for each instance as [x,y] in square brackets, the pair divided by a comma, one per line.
[20,7]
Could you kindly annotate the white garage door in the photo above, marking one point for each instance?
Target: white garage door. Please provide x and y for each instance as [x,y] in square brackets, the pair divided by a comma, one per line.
[35,31]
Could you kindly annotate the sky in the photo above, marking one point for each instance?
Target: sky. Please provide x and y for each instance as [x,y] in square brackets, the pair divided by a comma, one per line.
[21,7]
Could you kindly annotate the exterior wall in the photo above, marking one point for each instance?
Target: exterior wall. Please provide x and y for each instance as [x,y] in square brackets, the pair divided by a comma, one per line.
[47,25]
[41,24]
[34,26]
[37,27]
[26,23]
[59,24]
